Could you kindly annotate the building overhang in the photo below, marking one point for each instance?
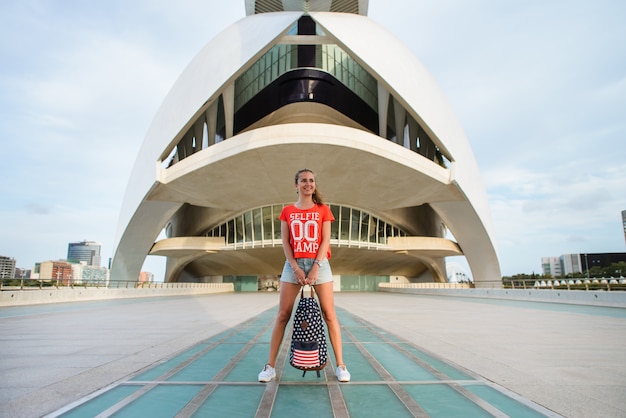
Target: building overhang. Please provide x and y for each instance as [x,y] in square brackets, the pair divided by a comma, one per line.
[354,167]
[403,256]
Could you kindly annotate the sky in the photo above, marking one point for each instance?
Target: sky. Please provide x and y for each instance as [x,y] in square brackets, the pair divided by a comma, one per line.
[539,87]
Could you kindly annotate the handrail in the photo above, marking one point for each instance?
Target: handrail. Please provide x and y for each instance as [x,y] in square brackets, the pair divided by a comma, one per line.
[608,284]
[428,285]
[38,284]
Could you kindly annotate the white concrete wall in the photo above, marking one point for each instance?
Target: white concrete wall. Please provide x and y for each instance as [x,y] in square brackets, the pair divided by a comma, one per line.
[76,294]
[579,297]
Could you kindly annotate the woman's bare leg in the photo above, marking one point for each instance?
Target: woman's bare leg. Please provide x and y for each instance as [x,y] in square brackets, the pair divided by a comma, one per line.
[288,294]
[325,293]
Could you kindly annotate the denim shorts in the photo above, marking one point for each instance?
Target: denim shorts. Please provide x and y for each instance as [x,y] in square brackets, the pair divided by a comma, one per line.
[324,273]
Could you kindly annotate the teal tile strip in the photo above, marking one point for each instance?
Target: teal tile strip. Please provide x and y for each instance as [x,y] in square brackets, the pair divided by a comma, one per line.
[373,401]
[162,401]
[455,405]
[511,407]
[231,402]
[298,401]
[390,377]
[99,404]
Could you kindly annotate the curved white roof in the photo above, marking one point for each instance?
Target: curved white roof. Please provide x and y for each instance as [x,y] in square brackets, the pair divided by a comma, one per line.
[393,64]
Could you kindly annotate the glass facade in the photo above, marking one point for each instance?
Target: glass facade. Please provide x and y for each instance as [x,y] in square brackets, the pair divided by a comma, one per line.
[280,59]
[260,227]
[87,251]
[283,58]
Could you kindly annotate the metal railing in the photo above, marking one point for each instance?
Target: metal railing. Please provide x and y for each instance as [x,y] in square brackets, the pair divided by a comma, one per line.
[430,285]
[38,284]
[610,284]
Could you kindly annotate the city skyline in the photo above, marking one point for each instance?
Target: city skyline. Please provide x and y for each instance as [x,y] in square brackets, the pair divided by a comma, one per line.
[540,104]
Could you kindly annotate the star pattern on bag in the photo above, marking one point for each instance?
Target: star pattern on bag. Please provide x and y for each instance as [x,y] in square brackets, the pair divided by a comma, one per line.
[308,328]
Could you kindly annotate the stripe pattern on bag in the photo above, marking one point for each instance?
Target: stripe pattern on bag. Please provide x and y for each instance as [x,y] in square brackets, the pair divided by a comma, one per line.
[306,354]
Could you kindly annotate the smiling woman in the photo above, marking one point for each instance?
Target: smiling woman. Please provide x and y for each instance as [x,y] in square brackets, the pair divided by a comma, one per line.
[305,230]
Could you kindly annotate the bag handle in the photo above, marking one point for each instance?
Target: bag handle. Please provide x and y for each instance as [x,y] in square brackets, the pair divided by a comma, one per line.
[302,291]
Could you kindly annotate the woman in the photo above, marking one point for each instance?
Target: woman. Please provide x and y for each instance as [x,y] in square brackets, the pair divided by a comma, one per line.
[305,229]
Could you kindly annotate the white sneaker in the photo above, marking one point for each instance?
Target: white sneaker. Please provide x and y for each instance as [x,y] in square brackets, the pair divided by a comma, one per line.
[267,374]
[343,375]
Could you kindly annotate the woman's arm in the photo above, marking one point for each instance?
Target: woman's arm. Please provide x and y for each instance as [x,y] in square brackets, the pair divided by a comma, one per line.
[321,252]
[285,237]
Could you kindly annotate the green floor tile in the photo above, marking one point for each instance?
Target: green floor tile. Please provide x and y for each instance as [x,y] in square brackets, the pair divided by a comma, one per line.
[243,336]
[162,401]
[168,365]
[364,335]
[373,401]
[302,402]
[232,402]
[206,367]
[266,337]
[400,366]
[387,336]
[360,369]
[101,403]
[509,406]
[346,319]
[248,368]
[430,397]
[445,368]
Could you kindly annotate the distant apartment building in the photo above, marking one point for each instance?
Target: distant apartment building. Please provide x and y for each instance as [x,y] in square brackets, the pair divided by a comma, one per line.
[83,273]
[551,266]
[7,267]
[56,270]
[22,273]
[578,263]
[146,276]
[570,264]
[87,251]
[624,223]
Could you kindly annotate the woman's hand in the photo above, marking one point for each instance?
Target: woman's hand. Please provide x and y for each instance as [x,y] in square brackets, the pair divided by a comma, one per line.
[312,277]
[300,276]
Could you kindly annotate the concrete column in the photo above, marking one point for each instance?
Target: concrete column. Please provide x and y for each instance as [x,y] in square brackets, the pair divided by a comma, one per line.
[400,117]
[383,106]
[229,109]
[211,122]
[198,133]
[413,134]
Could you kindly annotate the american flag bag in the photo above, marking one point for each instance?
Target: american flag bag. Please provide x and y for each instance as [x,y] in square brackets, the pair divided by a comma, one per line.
[308,341]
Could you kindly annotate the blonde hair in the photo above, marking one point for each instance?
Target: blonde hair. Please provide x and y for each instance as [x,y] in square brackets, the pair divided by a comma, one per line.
[317,196]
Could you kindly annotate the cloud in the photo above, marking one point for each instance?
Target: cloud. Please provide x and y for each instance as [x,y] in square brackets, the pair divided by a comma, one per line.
[36,209]
[558,211]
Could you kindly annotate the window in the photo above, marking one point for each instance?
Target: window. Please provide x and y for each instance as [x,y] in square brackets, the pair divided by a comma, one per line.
[260,225]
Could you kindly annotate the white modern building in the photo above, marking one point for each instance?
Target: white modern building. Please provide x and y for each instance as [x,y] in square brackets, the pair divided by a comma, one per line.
[570,264]
[552,266]
[313,84]
[88,274]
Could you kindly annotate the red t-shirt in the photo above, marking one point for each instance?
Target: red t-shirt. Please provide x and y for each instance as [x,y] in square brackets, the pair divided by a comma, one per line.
[305,229]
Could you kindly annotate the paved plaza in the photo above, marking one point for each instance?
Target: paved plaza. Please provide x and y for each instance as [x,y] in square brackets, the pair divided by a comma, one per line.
[409,355]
